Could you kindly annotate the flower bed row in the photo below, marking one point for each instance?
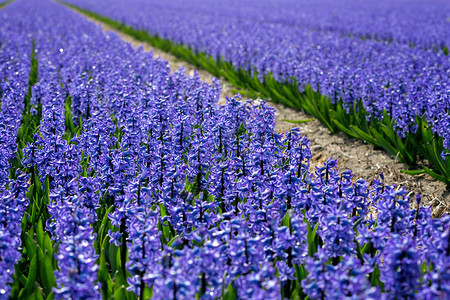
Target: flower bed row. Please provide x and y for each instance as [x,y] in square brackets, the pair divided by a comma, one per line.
[15,65]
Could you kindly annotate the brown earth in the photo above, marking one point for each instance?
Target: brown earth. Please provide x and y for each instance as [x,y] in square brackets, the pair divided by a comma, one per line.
[365,161]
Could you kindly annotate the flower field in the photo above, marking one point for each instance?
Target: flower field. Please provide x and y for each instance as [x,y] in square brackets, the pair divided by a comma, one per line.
[120,179]
[387,84]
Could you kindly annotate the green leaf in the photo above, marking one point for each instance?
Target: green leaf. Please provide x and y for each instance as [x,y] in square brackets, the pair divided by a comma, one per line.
[363,135]
[18,275]
[279,98]
[119,262]
[355,225]
[120,287]
[240,130]
[103,233]
[31,279]
[413,172]
[301,273]
[23,224]
[148,293]
[37,295]
[112,254]
[169,244]
[166,233]
[424,267]
[47,246]
[47,185]
[163,210]
[46,271]
[288,91]
[365,248]
[392,135]
[38,186]
[286,220]
[230,293]
[375,277]
[344,129]
[30,245]
[311,239]
[436,175]
[322,116]
[297,121]
[427,134]
[385,144]
[439,161]
[50,296]
[103,274]
[40,233]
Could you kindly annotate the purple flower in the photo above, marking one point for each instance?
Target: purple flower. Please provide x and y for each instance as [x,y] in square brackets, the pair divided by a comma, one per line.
[400,271]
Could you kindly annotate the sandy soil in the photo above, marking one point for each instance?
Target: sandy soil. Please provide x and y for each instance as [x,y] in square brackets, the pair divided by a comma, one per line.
[365,161]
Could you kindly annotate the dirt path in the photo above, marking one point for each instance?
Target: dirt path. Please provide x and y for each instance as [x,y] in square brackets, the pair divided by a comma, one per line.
[365,161]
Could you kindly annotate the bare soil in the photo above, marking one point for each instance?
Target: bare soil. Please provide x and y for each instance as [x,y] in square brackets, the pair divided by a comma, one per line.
[365,161]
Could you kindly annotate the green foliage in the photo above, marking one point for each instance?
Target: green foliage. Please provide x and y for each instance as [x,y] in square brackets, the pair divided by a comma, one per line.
[312,239]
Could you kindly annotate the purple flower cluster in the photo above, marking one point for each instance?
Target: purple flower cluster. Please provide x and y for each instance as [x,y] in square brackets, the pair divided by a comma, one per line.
[71,228]
[13,203]
[14,71]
